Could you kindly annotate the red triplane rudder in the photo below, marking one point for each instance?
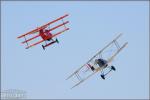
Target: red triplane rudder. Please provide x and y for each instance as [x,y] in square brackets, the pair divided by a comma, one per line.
[45,32]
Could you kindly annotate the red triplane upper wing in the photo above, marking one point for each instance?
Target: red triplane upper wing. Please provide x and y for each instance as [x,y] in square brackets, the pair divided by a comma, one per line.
[44,26]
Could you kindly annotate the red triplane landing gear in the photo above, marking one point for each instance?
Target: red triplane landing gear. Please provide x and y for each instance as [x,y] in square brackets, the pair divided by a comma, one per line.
[56,41]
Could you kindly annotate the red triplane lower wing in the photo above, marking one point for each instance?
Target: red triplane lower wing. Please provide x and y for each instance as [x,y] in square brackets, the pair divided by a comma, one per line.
[44,26]
[47,38]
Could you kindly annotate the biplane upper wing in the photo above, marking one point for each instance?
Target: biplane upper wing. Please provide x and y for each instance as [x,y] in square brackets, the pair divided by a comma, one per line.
[110,59]
[95,55]
[43,26]
[47,38]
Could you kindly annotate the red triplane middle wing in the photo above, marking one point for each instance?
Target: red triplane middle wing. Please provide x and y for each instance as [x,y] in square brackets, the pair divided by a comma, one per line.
[31,33]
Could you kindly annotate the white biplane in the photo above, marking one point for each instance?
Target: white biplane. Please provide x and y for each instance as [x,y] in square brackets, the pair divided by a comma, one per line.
[98,63]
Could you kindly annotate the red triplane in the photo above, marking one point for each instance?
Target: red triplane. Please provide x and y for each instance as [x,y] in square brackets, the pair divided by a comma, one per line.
[45,33]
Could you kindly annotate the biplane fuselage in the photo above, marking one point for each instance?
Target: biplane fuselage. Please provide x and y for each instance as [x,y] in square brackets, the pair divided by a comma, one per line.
[100,62]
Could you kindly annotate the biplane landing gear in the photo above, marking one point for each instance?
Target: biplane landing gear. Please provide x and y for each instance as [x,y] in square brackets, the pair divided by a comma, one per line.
[113,68]
[103,76]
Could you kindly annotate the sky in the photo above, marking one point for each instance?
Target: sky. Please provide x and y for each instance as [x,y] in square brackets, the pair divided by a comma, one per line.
[92,25]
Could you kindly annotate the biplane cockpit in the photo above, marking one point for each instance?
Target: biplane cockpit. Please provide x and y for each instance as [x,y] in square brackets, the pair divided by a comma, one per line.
[101,62]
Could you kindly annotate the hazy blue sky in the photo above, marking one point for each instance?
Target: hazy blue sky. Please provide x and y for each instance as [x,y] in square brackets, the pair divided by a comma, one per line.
[92,25]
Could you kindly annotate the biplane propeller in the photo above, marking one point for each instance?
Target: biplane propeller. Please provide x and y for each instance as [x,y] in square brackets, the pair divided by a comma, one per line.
[45,33]
[98,63]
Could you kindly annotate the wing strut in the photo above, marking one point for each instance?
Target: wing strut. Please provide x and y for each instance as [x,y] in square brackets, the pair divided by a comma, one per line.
[26,41]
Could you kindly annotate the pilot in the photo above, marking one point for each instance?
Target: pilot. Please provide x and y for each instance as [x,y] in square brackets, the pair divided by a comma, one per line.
[48,34]
[101,62]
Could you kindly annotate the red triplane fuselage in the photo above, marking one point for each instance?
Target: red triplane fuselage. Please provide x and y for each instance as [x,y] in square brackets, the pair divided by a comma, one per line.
[45,34]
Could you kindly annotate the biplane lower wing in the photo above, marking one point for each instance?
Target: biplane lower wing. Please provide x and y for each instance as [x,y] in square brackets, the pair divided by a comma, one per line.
[47,38]
[100,68]
[84,79]
[44,26]
[96,55]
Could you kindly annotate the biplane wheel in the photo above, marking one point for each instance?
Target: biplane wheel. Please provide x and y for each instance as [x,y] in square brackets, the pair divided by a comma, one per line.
[43,47]
[57,40]
[103,76]
[113,68]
